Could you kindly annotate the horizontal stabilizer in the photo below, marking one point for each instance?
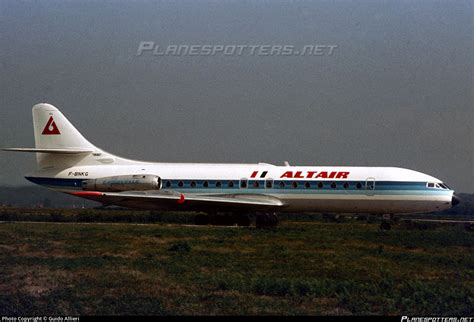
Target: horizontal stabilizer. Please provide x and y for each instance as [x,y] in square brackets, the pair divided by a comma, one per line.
[55,151]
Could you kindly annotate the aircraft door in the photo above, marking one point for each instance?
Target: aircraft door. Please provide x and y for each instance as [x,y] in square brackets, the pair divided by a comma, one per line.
[269,183]
[370,186]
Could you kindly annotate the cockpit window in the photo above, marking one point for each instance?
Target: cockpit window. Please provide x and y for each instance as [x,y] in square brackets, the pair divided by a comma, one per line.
[439,185]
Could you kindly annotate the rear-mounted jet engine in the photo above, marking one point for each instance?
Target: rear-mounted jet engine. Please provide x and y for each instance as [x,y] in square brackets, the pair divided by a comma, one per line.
[123,183]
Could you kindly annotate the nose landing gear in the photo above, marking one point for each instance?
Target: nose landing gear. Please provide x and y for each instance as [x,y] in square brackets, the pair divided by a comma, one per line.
[386,223]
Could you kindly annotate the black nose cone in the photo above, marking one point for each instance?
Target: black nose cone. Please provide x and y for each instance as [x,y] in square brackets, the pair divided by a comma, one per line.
[455,200]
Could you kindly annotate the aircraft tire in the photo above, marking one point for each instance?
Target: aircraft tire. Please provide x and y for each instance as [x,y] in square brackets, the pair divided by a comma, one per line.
[266,220]
[273,220]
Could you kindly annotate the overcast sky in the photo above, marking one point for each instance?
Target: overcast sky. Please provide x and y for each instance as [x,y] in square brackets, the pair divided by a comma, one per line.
[396,91]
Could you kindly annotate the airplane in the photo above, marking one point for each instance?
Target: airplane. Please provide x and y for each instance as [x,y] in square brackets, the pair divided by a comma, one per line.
[68,163]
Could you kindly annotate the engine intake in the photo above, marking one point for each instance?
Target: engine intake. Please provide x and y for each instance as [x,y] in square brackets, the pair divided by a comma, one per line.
[123,183]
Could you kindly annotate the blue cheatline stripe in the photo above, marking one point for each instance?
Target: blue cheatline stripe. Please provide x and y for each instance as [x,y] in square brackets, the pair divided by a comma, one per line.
[311,191]
[56,182]
[255,186]
[293,185]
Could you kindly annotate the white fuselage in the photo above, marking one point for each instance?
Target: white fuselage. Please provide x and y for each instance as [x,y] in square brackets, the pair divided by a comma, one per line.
[301,188]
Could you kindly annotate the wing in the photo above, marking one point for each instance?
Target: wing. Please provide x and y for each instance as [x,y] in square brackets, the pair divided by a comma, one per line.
[172,200]
[54,151]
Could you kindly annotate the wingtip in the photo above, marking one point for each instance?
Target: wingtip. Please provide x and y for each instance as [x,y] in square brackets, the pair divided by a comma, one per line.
[87,193]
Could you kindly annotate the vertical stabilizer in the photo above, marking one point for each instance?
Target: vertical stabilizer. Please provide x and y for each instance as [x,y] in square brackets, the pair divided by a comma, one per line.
[59,145]
[54,131]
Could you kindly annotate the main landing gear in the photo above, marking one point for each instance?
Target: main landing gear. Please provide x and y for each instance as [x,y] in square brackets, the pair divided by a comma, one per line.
[222,219]
[265,220]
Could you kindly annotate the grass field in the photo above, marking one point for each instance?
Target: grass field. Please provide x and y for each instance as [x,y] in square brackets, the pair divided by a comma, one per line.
[298,268]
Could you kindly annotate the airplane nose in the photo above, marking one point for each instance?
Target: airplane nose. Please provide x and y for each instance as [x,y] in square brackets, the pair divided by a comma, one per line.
[455,200]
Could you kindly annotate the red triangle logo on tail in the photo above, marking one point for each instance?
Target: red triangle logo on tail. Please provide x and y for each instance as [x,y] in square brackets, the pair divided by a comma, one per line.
[50,127]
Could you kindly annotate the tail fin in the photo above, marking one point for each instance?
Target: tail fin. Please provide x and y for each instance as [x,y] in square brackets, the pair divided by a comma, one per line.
[58,144]
[54,131]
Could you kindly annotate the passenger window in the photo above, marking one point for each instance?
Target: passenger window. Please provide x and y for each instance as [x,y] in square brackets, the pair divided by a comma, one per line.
[256,184]
[180,184]
[243,183]
[205,184]
[231,184]
[218,184]
[346,185]
[294,184]
[307,185]
[359,185]
[333,185]
[320,185]
[168,184]
[193,184]
[282,184]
